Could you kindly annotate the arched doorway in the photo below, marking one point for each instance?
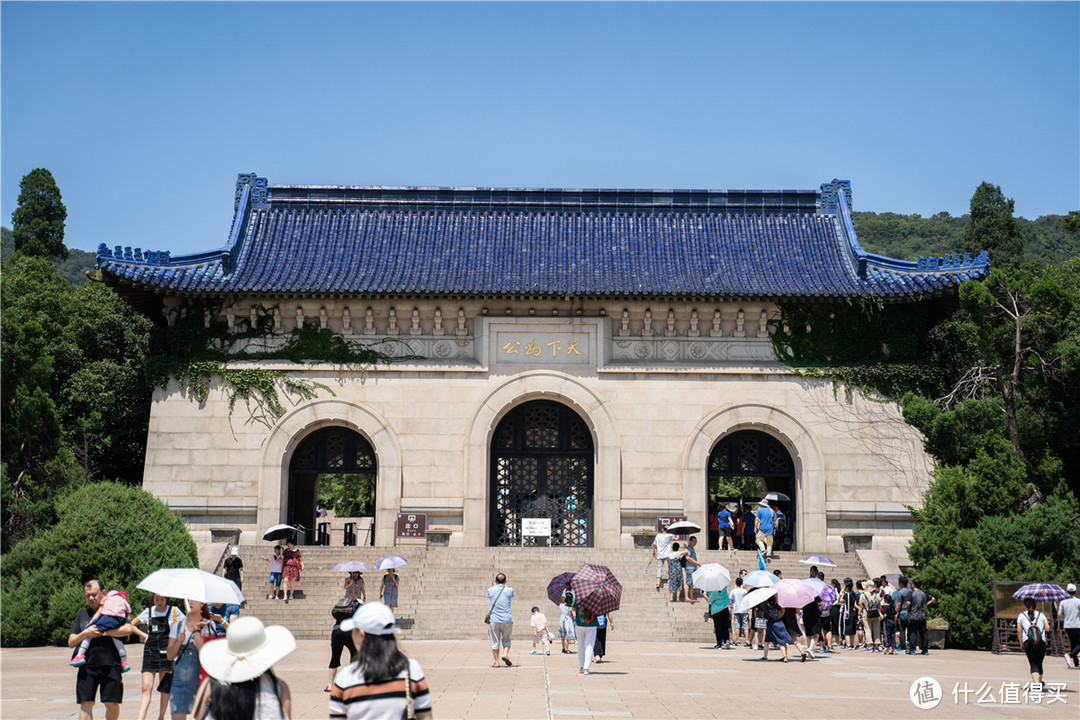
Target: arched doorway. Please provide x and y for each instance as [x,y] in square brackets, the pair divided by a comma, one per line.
[745,465]
[542,467]
[334,465]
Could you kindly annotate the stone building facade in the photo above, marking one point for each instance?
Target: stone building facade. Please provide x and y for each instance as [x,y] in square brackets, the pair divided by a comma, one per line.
[590,357]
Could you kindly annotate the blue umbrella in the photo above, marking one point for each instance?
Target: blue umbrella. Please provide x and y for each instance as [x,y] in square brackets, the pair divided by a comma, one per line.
[390,561]
[760,579]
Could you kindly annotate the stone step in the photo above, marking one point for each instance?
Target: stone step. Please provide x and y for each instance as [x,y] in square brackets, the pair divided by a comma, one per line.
[441,582]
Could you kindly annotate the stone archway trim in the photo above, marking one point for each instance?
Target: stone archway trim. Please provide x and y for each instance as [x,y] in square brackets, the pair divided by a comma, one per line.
[300,422]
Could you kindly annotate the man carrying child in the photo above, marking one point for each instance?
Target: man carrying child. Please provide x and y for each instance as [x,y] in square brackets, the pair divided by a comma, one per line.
[102,669]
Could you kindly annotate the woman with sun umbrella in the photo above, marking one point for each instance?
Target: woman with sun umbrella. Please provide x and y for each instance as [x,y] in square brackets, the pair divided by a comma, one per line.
[775,630]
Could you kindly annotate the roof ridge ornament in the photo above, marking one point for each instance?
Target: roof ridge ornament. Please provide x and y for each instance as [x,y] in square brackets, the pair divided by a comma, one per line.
[260,191]
[830,198]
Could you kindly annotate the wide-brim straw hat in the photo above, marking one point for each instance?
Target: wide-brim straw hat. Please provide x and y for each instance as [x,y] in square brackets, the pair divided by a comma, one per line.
[249,650]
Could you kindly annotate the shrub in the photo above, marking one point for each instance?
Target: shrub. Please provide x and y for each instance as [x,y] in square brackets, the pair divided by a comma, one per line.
[106,530]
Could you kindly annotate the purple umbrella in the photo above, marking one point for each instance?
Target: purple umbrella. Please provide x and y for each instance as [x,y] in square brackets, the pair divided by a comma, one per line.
[817,560]
[822,589]
[1041,592]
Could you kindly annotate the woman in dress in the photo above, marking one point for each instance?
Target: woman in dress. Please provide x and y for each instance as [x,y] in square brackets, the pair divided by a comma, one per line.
[291,569]
[775,630]
[155,665]
[566,622]
[354,587]
[388,593]
[382,682]
[242,685]
[675,571]
[185,644]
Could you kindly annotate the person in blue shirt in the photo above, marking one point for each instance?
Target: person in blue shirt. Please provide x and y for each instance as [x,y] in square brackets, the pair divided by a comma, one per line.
[502,622]
[763,529]
[726,526]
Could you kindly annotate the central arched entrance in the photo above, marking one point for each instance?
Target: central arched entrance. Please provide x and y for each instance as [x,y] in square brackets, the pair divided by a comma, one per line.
[542,467]
[336,466]
[745,465]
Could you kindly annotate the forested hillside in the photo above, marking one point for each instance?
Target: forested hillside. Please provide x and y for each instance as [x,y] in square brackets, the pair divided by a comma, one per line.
[909,236]
[73,269]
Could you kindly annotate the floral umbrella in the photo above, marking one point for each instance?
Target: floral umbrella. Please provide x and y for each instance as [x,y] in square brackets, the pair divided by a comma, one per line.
[822,589]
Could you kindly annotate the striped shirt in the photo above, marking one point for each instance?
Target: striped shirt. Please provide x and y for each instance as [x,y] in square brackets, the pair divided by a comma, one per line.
[354,698]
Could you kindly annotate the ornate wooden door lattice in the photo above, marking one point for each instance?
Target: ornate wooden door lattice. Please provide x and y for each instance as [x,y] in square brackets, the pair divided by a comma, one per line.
[542,467]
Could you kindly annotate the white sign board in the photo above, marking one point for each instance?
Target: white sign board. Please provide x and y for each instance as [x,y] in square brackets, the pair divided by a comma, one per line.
[535,527]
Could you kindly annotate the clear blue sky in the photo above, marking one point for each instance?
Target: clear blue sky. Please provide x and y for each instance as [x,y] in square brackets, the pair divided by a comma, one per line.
[145,113]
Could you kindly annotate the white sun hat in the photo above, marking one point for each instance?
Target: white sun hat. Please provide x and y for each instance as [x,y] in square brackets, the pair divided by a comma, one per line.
[374,618]
[249,650]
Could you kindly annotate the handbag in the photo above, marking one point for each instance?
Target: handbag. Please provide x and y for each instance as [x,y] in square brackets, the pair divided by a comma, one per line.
[345,608]
[165,686]
[487,618]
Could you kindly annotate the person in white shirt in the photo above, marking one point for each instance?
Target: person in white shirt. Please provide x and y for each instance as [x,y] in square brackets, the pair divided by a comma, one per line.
[741,622]
[1069,612]
[1032,628]
[661,550]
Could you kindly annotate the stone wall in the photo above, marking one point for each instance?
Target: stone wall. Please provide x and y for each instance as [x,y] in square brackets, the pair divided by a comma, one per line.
[658,384]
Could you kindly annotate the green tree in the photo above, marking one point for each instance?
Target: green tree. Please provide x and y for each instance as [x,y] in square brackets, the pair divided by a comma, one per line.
[1071,222]
[992,227]
[38,221]
[75,402]
[106,530]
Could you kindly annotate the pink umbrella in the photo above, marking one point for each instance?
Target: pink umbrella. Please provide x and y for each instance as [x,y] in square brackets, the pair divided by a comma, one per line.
[793,594]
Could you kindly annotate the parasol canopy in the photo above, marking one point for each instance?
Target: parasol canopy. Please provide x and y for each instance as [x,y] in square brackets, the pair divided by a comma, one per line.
[596,590]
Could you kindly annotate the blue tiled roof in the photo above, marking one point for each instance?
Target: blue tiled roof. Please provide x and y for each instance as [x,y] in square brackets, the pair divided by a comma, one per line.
[497,241]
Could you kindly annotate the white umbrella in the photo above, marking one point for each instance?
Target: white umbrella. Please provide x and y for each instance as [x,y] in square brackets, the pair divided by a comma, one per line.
[755,597]
[192,584]
[683,527]
[352,566]
[711,577]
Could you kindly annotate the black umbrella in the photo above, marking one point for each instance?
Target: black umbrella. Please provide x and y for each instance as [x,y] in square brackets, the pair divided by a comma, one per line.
[279,532]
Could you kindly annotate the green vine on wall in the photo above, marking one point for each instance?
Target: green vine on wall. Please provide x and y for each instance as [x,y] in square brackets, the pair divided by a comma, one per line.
[197,346]
[862,343]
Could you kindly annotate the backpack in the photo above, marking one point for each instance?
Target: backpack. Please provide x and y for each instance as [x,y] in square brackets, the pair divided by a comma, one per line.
[1036,635]
[873,607]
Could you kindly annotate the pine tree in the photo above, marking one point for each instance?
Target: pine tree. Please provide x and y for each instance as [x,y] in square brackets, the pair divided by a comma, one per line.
[38,222]
[992,227]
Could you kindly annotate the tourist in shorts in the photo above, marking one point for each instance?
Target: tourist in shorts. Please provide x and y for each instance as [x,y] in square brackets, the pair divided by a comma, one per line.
[741,620]
[276,563]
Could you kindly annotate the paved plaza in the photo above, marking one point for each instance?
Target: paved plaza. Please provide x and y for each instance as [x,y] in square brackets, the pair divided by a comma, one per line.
[679,681]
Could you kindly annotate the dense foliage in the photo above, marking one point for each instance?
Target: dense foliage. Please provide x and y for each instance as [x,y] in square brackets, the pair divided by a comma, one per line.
[106,530]
[348,494]
[73,268]
[993,385]
[75,400]
[910,236]
[38,222]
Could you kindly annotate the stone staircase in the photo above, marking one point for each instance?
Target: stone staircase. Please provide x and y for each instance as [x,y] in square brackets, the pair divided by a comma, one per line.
[441,593]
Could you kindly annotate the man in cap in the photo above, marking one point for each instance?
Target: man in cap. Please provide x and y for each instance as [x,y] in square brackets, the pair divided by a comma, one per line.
[233,568]
[763,529]
[1069,611]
